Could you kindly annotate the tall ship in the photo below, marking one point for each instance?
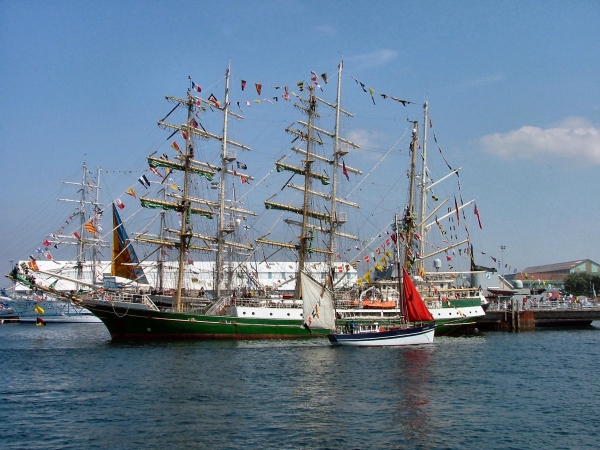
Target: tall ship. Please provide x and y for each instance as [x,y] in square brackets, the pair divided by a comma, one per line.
[228,312]
[454,302]
[33,304]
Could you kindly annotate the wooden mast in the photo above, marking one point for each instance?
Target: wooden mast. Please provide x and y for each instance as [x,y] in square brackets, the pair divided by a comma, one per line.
[304,237]
[221,229]
[408,222]
[185,234]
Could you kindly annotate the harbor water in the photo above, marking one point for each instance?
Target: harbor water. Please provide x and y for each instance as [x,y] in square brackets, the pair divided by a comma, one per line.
[69,387]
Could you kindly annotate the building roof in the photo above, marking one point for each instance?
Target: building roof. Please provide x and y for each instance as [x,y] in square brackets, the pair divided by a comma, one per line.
[539,276]
[557,267]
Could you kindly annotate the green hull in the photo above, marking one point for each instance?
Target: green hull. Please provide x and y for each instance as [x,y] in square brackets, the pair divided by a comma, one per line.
[147,325]
[453,327]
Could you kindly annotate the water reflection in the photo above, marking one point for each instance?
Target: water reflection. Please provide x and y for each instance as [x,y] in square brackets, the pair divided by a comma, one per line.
[413,409]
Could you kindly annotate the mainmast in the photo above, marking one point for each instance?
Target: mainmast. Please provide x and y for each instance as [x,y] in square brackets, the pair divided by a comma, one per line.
[313,220]
[306,240]
[83,242]
[223,228]
[340,148]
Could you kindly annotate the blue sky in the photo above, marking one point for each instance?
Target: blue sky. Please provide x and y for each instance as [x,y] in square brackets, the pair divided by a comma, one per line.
[512,87]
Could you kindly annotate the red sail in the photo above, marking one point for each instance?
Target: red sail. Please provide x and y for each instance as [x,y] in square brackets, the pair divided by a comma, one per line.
[416,309]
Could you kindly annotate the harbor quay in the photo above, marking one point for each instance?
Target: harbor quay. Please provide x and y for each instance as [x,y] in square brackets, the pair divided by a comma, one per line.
[527,316]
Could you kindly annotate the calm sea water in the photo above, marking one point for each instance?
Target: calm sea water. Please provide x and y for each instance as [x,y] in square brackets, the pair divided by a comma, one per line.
[68,386]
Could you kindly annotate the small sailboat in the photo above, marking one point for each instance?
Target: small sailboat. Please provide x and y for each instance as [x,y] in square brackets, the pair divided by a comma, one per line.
[416,324]
[418,328]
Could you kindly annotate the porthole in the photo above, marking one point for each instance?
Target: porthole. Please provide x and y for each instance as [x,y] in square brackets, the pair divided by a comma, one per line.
[244,312]
[270,314]
[253,313]
[288,314]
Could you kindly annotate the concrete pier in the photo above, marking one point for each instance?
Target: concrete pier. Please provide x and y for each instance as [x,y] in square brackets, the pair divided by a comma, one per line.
[513,319]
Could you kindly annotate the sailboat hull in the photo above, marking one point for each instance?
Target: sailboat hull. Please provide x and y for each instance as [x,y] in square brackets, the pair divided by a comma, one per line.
[140,324]
[409,336]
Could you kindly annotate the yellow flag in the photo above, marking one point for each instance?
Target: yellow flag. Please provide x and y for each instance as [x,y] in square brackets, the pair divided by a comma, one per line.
[378,267]
[388,253]
[131,191]
[38,309]
[360,282]
[90,227]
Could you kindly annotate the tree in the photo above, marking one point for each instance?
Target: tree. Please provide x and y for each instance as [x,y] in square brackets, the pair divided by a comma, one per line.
[581,283]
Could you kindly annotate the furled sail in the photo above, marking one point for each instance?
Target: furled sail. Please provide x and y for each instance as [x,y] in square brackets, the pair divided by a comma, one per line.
[125,262]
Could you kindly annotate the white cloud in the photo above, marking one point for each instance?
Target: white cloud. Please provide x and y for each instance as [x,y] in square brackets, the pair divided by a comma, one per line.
[373,59]
[364,138]
[574,139]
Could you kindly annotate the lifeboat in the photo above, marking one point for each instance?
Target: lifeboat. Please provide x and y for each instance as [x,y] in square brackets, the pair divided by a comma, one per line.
[379,304]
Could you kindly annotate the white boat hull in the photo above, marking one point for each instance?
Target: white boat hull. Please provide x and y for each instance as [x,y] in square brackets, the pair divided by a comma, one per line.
[54,311]
[78,318]
[407,336]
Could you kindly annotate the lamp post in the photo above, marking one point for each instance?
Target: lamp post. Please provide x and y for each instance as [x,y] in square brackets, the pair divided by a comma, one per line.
[502,248]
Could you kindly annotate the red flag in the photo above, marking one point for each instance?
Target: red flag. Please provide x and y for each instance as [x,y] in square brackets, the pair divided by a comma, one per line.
[46,243]
[243,84]
[478,218]
[76,234]
[243,179]
[120,204]
[367,259]
[175,146]
[345,171]
[258,87]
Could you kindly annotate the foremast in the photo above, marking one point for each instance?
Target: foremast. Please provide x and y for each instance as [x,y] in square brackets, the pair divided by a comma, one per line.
[186,204]
[407,228]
